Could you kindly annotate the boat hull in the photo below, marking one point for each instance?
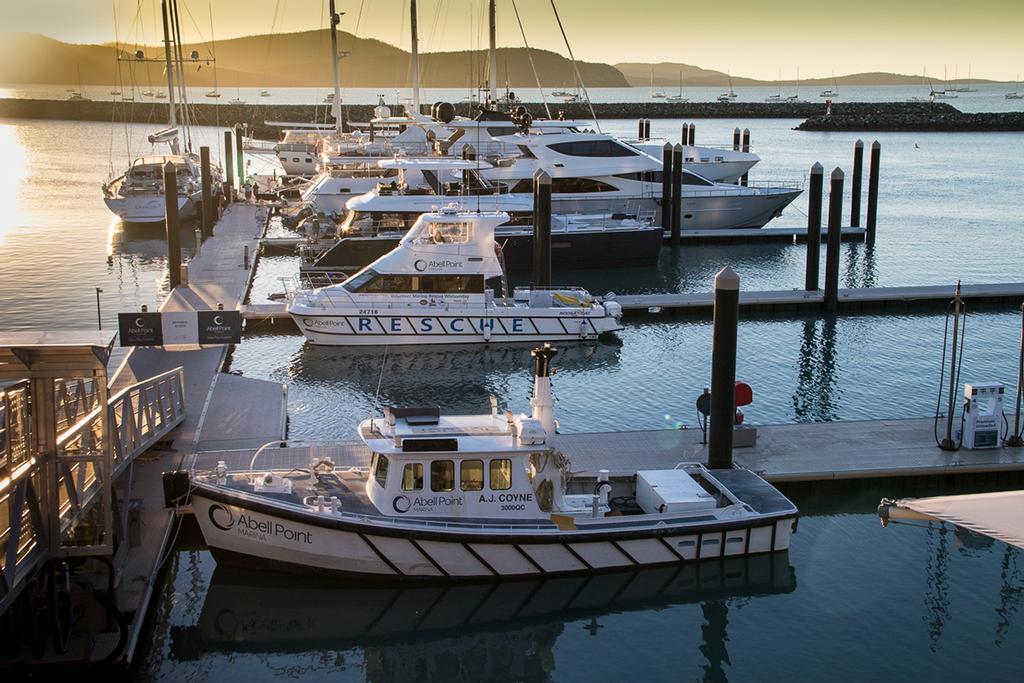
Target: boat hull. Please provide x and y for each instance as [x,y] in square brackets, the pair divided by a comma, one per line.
[242,527]
[370,327]
[148,208]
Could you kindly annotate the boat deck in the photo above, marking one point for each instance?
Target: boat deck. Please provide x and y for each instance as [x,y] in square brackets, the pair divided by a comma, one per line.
[821,451]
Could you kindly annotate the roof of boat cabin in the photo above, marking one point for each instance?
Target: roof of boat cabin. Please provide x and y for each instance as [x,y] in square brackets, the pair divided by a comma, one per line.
[476,434]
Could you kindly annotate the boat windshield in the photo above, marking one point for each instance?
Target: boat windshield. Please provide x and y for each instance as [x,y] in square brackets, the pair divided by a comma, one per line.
[446,233]
[359,280]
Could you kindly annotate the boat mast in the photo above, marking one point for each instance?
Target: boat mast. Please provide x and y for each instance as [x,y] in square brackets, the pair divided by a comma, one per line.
[335,20]
[493,80]
[415,57]
[173,120]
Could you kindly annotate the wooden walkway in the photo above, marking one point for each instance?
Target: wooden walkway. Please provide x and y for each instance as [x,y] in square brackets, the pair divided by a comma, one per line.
[219,408]
[783,453]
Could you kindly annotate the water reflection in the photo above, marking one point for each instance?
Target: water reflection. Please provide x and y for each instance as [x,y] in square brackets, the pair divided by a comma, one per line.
[480,631]
[457,377]
[816,398]
[1011,591]
[860,269]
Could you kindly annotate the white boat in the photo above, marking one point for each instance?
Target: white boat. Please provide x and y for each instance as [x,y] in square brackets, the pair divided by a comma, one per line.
[433,288]
[212,94]
[1014,96]
[833,92]
[594,173]
[679,97]
[264,93]
[137,196]
[465,497]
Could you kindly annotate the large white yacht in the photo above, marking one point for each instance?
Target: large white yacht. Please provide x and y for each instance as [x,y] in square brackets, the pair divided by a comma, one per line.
[464,497]
[434,288]
[596,173]
[374,222]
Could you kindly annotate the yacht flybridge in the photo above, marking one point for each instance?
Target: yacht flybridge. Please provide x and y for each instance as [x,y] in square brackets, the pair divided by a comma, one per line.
[482,496]
[434,288]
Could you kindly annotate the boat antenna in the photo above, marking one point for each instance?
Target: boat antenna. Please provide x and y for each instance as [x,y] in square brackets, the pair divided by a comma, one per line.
[380,380]
[575,67]
[533,66]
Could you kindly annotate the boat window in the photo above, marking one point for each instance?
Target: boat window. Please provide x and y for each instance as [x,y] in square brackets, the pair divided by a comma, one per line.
[641,176]
[691,179]
[394,284]
[442,475]
[451,284]
[593,148]
[450,233]
[501,474]
[380,469]
[525,151]
[359,280]
[471,475]
[575,185]
[412,477]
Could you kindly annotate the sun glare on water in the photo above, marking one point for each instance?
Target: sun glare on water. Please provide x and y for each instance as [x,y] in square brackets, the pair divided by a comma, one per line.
[12,178]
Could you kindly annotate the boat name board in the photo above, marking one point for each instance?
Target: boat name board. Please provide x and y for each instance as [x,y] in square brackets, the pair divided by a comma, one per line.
[430,325]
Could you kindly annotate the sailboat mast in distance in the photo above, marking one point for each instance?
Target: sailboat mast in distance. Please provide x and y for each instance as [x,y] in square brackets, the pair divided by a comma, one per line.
[493,80]
[335,20]
[415,65]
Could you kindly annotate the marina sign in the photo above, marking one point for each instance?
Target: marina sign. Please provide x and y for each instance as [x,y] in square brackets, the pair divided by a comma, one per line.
[140,329]
[180,327]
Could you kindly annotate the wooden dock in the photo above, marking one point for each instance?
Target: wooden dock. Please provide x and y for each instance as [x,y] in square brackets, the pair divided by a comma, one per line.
[824,451]
[220,408]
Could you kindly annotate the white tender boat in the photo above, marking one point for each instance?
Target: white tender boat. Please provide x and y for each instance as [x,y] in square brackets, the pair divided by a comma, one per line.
[481,496]
[433,288]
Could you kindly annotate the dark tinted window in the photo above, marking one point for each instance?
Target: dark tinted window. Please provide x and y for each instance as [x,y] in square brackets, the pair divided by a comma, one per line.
[395,284]
[569,185]
[593,148]
[690,179]
[645,176]
[525,151]
[451,284]
[359,280]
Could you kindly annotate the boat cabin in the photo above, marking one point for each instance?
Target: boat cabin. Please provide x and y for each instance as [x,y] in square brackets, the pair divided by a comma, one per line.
[465,466]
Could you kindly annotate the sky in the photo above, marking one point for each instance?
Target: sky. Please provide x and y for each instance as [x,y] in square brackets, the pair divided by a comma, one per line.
[755,38]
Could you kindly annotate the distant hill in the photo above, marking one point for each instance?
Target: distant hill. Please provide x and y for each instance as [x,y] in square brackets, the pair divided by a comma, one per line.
[666,75]
[288,60]
[302,60]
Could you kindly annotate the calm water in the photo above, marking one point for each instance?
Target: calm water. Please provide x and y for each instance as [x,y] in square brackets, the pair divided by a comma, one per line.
[990,97]
[850,599]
